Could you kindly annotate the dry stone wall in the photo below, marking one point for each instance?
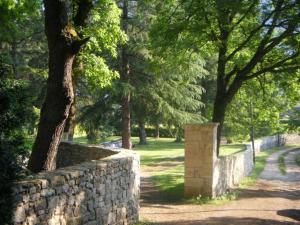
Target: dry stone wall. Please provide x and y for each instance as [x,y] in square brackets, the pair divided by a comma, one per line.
[209,175]
[229,170]
[101,191]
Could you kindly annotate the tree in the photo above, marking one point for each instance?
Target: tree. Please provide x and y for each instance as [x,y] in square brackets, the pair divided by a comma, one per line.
[250,38]
[15,109]
[94,67]
[63,43]
[125,79]
[23,48]
[248,109]
[69,26]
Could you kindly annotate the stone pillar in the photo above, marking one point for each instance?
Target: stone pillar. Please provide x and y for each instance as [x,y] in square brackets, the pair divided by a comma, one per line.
[200,157]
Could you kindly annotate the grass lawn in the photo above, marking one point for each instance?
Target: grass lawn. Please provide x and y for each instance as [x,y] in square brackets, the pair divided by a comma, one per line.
[163,159]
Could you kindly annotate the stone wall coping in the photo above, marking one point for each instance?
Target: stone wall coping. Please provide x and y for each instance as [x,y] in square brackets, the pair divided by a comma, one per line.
[236,154]
[193,126]
[45,177]
[100,147]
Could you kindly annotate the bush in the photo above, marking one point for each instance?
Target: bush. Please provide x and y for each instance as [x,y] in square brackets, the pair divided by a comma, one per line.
[15,109]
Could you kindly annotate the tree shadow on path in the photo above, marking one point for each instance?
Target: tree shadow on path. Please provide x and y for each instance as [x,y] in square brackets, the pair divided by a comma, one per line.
[228,221]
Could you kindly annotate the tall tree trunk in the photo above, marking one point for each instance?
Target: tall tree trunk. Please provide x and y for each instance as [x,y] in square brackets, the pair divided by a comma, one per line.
[252,137]
[55,110]
[14,57]
[179,134]
[156,135]
[126,126]
[71,131]
[125,78]
[71,121]
[59,95]
[142,134]
[219,111]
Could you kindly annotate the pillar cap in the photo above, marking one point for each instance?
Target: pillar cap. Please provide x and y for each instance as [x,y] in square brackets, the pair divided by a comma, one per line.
[196,126]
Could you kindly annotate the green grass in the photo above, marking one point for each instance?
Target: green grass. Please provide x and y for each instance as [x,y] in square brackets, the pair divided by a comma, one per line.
[171,183]
[161,150]
[201,200]
[281,163]
[29,141]
[164,160]
[231,149]
[298,159]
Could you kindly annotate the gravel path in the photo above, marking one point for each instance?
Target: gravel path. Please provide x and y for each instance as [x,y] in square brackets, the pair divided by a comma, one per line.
[273,200]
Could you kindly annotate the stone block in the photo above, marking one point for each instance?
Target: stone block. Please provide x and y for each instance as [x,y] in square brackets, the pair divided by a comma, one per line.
[52,202]
[41,204]
[32,220]
[200,150]
[19,215]
[57,180]
[47,192]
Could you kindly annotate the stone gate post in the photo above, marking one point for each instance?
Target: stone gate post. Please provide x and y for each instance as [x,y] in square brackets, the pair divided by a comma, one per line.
[200,157]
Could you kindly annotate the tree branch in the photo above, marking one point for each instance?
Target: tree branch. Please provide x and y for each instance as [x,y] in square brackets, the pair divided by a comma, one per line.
[77,44]
[244,15]
[84,8]
[250,36]
[272,68]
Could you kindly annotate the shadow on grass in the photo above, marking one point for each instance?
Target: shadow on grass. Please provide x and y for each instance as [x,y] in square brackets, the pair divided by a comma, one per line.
[171,187]
[152,161]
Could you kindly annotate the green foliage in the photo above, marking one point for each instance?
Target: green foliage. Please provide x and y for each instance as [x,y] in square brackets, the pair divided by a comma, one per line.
[163,132]
[104,34]
[101,117]
[248,109]
[14,110]
[250,39]
[22,40]
[177,93]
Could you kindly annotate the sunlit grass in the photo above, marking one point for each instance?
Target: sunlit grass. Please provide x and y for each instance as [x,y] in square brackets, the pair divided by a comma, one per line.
[230,149]
[227,197]
[160,150]
[164,160]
